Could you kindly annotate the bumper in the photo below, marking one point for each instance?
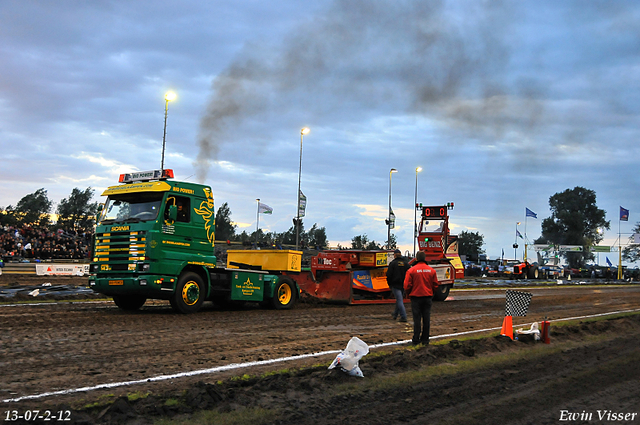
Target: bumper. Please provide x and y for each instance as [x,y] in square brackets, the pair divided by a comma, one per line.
[150,286]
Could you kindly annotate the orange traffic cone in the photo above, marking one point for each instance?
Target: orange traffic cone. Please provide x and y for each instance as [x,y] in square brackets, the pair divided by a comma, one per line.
[545,332]
[507,327]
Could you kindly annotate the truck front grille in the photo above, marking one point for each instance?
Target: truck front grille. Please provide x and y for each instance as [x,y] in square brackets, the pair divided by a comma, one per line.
[119,251]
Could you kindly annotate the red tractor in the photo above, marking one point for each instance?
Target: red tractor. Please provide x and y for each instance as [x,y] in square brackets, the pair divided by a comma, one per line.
[526,270]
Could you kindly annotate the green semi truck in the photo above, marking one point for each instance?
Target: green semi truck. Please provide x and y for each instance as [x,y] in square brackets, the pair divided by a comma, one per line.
[155,240]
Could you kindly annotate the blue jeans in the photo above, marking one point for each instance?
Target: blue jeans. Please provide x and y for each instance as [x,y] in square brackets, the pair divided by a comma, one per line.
[397,292]
[421,309]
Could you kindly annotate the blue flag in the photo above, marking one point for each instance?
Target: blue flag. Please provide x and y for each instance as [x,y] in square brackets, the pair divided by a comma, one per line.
[609,262]
[530,213]
[519,234]
[624,214]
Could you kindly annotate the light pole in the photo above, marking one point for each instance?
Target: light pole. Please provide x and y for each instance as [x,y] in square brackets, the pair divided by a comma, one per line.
[515,244]
[600,231]
[415,212]
[169,96]
[393,170]
[304,131]
[257,220]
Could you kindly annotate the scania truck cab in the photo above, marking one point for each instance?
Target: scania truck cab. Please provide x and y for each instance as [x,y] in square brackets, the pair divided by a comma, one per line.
[155,240]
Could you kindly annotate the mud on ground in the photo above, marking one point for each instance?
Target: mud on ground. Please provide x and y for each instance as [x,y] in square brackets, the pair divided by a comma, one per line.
[587,367]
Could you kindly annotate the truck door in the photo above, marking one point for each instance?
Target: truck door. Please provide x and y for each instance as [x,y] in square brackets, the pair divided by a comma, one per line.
[181,235]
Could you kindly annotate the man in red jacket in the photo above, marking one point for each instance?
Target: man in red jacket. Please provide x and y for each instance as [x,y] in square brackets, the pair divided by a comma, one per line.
[420,284]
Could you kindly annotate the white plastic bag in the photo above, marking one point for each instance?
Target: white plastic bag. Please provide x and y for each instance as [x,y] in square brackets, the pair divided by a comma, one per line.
[348,359]
[532,331]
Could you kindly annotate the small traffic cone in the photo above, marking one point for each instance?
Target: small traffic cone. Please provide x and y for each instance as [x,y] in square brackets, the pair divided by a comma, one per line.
[507,327]
[545,332]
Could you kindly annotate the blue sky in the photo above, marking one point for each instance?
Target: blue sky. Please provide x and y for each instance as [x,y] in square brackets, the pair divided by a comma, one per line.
[502,103]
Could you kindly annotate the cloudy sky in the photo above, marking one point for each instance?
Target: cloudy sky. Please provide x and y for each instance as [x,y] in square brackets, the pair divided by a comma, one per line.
[503,104]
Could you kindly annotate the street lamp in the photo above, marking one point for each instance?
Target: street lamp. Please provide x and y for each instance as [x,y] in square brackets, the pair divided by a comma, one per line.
[393,170]
[304,131]
[415,210]
[600,231]
[168,97]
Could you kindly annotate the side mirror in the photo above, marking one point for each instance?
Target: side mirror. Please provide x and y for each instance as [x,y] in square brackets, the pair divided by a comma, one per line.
[99,211]
[173,213]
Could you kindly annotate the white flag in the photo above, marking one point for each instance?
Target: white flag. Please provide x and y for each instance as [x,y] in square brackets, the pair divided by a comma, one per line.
[264,208]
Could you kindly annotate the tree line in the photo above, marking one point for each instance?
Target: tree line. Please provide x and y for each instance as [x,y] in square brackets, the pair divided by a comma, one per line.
[575,220]
[75,212]
[226,230]
[316,237]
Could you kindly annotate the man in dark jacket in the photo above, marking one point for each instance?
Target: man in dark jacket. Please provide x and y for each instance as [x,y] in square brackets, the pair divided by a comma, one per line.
[395,279]
[420,284]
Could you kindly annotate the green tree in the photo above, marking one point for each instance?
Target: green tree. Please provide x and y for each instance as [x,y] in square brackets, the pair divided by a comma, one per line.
[32,209]
[392,243]
[289,237]
[243,237]
[225,228]
[317,237]
[631,253]
[363,242]
[77,212]
[7,217]
[470,244]
[575,219]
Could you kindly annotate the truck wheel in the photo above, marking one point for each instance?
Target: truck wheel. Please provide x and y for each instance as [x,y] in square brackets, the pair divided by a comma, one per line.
[129,302]
[442,292]
[284,296]
[189,294]
[533,273]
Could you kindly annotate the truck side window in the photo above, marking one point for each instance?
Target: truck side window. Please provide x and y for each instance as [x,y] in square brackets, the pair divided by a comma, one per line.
[184,208]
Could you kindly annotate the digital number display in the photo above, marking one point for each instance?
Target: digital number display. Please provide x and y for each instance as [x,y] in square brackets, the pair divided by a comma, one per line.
[434,212]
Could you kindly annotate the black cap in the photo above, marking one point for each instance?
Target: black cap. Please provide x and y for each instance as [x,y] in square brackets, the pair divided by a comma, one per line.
[397,251]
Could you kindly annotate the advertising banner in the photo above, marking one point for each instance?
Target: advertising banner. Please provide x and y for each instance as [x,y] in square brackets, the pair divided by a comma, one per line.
[62,269]
[570,248]
[370,280]
[303,205]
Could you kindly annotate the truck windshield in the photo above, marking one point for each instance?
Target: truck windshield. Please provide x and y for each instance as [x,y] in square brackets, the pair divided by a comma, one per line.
[132,207]
[433,226]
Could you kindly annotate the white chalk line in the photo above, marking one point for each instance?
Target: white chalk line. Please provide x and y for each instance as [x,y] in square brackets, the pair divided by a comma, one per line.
[233,366]
[53,303]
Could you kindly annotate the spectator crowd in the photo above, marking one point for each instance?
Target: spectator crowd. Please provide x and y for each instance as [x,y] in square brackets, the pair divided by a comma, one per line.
[41,243]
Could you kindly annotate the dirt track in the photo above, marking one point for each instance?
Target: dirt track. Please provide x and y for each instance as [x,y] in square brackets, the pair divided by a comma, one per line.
[56,347]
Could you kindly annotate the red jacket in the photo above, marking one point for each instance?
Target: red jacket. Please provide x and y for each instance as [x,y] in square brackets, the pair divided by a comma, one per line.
[421,281]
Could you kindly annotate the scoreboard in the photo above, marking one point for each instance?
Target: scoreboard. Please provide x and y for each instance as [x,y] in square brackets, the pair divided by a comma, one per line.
[437,212]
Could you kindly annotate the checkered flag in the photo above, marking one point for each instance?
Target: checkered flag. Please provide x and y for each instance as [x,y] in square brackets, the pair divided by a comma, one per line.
[517,303]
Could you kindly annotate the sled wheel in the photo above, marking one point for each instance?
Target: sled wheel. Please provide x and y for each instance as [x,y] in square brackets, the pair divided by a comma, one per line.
[189,294]
[129,302]
[284,296]
[442,292]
